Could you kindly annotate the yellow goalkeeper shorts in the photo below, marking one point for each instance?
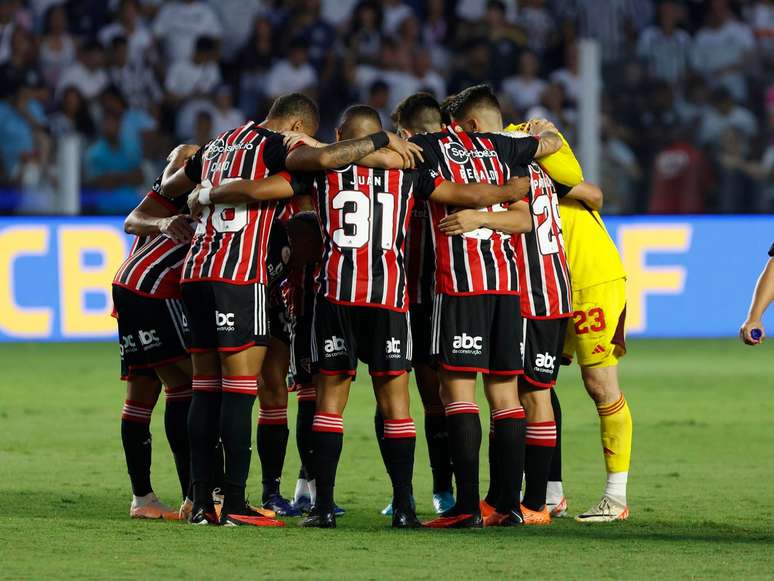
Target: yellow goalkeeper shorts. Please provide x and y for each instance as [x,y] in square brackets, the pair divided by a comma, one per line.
[596,334]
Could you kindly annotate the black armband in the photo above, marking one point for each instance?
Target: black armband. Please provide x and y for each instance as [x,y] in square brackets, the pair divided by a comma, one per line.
[379,140]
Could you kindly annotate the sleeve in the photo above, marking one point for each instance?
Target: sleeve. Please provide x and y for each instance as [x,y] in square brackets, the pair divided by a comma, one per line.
[193,166]
[516,150]
[432,160]
[302,182]
[274,154]
[561,189]
[173,205]
[425,183]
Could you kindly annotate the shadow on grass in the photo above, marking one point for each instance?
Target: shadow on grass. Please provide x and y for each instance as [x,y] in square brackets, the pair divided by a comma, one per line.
[83,507]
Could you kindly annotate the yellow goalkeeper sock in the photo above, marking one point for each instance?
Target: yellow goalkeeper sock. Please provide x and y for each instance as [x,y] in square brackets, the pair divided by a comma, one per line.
[615,423]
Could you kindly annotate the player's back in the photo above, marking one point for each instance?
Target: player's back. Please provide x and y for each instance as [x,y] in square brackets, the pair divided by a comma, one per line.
[364,215]
[231,239]
[481,261]
[591,253]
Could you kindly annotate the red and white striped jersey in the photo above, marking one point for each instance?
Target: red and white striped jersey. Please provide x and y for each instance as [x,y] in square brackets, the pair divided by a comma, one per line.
[482,261]
[420,256]
[155,262]
[364,215]
[544,277]
[231,240]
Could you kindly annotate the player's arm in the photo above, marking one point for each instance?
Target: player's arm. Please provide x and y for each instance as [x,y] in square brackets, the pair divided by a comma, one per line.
[763,296]
[183,172]
[479,195]
[588,193]
[516,220]
[151,216]
[310,158]
[548,137]
[241,191]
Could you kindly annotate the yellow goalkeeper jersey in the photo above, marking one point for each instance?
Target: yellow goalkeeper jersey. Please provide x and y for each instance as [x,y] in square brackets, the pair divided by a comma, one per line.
[591,253]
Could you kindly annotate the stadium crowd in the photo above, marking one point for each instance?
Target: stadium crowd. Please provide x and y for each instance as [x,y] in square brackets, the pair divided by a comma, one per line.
[688,97]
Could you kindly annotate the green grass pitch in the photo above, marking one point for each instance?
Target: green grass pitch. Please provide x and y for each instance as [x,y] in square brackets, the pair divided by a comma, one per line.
[700,492]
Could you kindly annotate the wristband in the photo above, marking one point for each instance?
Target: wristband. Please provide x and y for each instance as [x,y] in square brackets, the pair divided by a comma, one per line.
[204,196]
[379,140]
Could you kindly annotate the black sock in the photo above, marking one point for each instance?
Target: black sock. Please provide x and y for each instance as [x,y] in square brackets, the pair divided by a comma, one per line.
[540,443]
[379,431]
[178,402]
[136,439]
[304,421]
[438,449]
[328,439]
[398,446]
[509,433]
[203,427]
[555,474]
[236,410]
[272,436]
[494,470]
[464,427]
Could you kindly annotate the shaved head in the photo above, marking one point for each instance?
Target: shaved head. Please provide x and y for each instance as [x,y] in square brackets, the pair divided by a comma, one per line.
[477,109]
[418,113]
[358,121]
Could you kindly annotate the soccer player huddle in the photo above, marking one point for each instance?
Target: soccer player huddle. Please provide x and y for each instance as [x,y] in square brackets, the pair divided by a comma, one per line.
[267,262]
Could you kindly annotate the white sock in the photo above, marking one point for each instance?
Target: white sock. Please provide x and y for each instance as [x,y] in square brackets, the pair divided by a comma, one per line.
[312,491]
[616,486]
[143,500]
[554,492]
[302,489]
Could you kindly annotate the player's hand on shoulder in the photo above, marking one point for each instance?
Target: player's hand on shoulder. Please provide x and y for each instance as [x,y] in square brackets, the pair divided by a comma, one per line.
[746,332]
[538,126]
[177,228]
[291,139]
[461,221]
[183,151]
[518,187]
[410,152]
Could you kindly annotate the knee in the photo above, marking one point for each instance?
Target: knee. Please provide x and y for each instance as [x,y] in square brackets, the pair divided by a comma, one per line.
[597,388]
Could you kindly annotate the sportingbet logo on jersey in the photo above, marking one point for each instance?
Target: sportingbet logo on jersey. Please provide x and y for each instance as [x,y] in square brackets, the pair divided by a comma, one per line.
[392,348]
[467,344]
[545,362]
[334,346]
[224,321]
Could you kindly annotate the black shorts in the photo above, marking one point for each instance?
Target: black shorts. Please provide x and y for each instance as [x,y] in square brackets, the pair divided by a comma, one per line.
[477,333]
[421,325]
[542,350]
[344,334]
[151,332]
[301,351]
[226,317]
[279,324]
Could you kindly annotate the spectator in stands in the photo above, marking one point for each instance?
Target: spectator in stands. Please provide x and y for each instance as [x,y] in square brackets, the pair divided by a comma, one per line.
[292,74]
[505,41]
[473,68]
[393,13]
[305,22]
[226,116]
[198,77]
[539,24]
[364,37]
[112,167]
[379,99]
[553,106]
[567,76]
[394,69]
[525,89]
[254,62]
[136,82]
[436,30]
[236,17]
[725,116]
[664,48]
[178,26]
[204,130]
[72,115]
[682,176]
[129,25]
[57,47]
[722,48]
[427,78]
[87,74]
[23,144]
[620,170]
[20,68]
